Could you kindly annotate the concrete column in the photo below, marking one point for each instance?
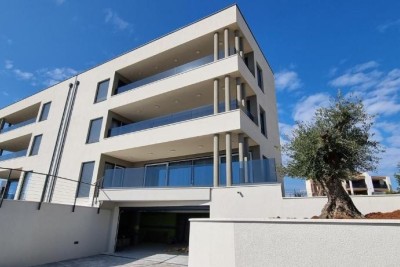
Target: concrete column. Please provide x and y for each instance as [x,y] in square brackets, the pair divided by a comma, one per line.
[227,93]
[241,157]
[241,53]
[246,158]
[228,143]
[226,42]
[216,43]
[239,96]
[216,99]
[216,161]
[237,42]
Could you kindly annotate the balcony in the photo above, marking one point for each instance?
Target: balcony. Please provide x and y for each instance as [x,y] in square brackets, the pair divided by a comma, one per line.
[168,119]
[170,72]
[190,173]
[13,155]
[18,125]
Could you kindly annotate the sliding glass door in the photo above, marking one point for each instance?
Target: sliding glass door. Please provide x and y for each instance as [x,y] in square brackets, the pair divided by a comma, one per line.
[156,175]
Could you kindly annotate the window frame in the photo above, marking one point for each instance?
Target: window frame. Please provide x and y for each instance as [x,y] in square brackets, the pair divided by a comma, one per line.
[80,179]
[89,130]
[33,145]
[42,110]
[263,122]
[260,78]
[97,91]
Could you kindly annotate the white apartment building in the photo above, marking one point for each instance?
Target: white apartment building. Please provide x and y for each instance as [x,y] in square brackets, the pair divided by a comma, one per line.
[362,184]
[156,128]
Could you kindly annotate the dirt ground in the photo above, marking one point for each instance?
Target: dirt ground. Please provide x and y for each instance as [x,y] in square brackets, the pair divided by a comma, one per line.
[384,215]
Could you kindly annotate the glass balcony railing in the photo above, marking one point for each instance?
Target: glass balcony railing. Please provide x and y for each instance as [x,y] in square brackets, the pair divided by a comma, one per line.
[169,119]
[192,173]
[18,125]
[182,68]
[12,155]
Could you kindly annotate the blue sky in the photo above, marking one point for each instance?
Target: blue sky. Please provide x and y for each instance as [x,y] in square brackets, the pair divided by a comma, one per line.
[314,48]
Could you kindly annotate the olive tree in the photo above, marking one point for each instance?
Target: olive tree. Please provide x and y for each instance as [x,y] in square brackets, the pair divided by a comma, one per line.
[397,176]
[334,147]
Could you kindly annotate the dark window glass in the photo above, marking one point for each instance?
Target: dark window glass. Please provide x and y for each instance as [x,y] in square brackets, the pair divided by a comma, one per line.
[35,145]
[263,122]
[94,131]
[102,90]
[260,78]
[85,179]
[45,112]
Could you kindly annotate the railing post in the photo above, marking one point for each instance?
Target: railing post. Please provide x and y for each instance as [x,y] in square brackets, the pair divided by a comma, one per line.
[43,191]
[5,188]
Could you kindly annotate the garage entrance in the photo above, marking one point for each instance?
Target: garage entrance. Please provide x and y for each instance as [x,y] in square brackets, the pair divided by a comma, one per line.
[168,226]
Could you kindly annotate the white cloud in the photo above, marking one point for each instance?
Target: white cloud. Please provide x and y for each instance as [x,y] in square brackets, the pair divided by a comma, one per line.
[8,64]
[305,108]
[23,75]
[53,76]
[365,66]
[114,19]
[287,80]
[383,27]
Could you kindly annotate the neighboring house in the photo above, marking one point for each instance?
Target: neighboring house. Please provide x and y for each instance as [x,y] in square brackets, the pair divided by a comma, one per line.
[156,128]
[363,184]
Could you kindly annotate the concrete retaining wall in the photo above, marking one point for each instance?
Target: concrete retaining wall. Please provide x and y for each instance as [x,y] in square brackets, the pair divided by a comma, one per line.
[293,243]
[30,237]
[265,201]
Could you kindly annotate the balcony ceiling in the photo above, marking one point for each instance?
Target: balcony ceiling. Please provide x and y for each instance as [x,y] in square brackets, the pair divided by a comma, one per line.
[16,144]
[23,114]
[175,149]
[179,55]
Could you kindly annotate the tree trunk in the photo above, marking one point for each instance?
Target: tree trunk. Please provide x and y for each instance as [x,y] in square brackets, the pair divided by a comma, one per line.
[340,205]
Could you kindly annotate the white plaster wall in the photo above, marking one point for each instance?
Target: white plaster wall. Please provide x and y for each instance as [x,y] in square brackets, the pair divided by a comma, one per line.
[294,243]
[265,201]
[30,237]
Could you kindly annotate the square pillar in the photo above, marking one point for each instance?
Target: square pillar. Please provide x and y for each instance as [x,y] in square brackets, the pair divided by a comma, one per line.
[246,159]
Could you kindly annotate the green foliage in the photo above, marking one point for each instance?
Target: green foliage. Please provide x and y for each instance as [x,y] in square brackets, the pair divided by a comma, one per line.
[336,144]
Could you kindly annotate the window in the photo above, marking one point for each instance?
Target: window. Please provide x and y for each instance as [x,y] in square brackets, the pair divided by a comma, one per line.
[260,78]
[263,123]
[102,90]
[26,183]
[94,131]
[85,179]
[45,112]
[11,189]
[35,145]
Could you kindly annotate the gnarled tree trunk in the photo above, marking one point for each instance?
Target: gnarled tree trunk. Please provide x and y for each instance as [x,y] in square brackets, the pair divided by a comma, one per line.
[340,205]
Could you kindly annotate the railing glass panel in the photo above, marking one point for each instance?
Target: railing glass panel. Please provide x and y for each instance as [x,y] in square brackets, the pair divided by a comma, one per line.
[169,119]
[18,125]
[12,155]
[185,67]
[191,173]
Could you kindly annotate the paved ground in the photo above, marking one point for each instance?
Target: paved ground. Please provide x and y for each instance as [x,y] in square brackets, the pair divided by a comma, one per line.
[146,255]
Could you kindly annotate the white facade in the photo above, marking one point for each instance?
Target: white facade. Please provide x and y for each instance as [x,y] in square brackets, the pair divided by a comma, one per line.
[363,184]
[158,126]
